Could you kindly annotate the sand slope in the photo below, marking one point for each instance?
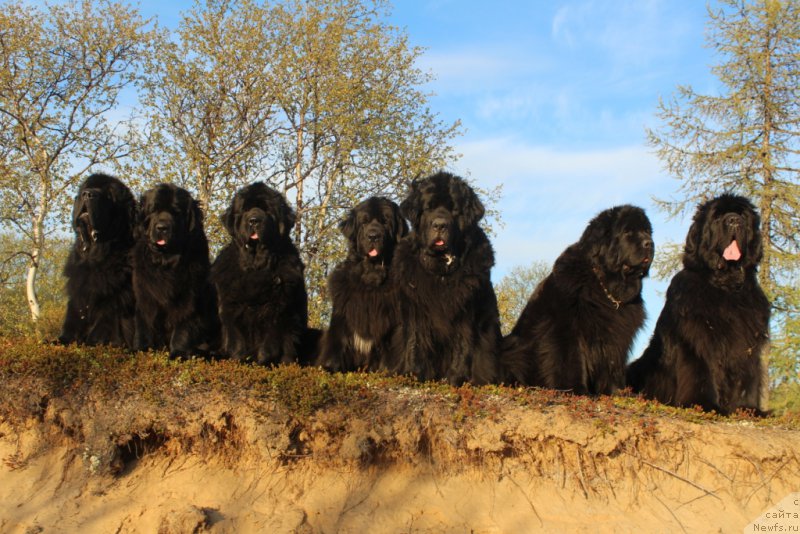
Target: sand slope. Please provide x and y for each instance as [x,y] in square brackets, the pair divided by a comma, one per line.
[412,463]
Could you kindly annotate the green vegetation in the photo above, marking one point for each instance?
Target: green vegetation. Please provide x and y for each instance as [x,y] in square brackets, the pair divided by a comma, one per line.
[32,371]
[515,289]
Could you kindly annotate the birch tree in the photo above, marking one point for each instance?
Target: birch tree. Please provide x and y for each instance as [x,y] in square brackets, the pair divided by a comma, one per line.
[208,104]
[356,118]
[319,98]
[62,68]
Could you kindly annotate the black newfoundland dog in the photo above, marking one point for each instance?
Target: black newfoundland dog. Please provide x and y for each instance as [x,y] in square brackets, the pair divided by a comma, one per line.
[450,326]
[263,304]
[175,302]
[578,326]
[100,306]
[706,348]
[365,312]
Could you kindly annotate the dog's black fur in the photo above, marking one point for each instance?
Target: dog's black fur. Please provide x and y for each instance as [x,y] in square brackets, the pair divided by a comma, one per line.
[364,300]
[100,306]
[263,303]
[175,302]
[578,326]
[450,326]
[707,345]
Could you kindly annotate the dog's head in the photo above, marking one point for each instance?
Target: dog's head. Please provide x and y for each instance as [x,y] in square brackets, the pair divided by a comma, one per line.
[619,241]
[442,208]
[725,235]
[259,218]
[104,211]
[373,228]
[169,219]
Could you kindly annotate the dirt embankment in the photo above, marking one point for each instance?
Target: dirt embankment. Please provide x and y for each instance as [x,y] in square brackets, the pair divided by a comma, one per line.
[93,441]
[415,464]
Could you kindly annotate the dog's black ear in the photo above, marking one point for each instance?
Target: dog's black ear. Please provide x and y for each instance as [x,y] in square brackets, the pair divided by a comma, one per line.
[411,207]
[195,216]
[124,203]
[694,238]
[77,205]
[596,237]
[229,219]
[399,222]
[228,216]
[467,206]
[131,212]
[348,225]
[287,219]
[755,250]
[142,208]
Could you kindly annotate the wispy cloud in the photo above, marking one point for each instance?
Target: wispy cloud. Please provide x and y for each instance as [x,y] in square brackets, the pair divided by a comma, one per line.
[470,68]
[512,161]
[549,194]
[630,33]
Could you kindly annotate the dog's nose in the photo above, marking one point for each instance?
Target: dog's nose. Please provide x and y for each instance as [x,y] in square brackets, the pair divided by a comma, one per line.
[162,227]
[373,235]
[253,221]
[87,195]
[647,244]
[733,220]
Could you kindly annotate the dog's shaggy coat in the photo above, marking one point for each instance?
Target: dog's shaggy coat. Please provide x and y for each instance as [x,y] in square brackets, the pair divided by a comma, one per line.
[263,305]
[449,327]
[175,302]
[364,299]
[100,306]
[578,326]
[707,345]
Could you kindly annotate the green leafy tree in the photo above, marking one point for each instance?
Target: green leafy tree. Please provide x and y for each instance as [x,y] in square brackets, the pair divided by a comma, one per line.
[208,104]
[319,98]
[746,139]
[62,69]
[357,122]
[515,289]
[15,319]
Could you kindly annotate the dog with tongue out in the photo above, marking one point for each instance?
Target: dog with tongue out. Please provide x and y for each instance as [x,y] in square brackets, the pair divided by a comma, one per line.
[707,346]
[175,303]
[263,304]
[449,328]
[364,313]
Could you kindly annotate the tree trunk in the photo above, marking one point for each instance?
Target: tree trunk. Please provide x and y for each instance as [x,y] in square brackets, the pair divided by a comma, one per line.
[766,207]
[36,254]
[30,286]
[298,176]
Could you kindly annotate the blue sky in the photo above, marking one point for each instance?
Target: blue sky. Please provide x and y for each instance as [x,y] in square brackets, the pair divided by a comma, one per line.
[555,97]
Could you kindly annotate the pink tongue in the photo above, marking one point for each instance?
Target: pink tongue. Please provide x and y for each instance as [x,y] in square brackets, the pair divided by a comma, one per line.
[439,243]
[254,236]
[161,242]
[372,253]
[732,253]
